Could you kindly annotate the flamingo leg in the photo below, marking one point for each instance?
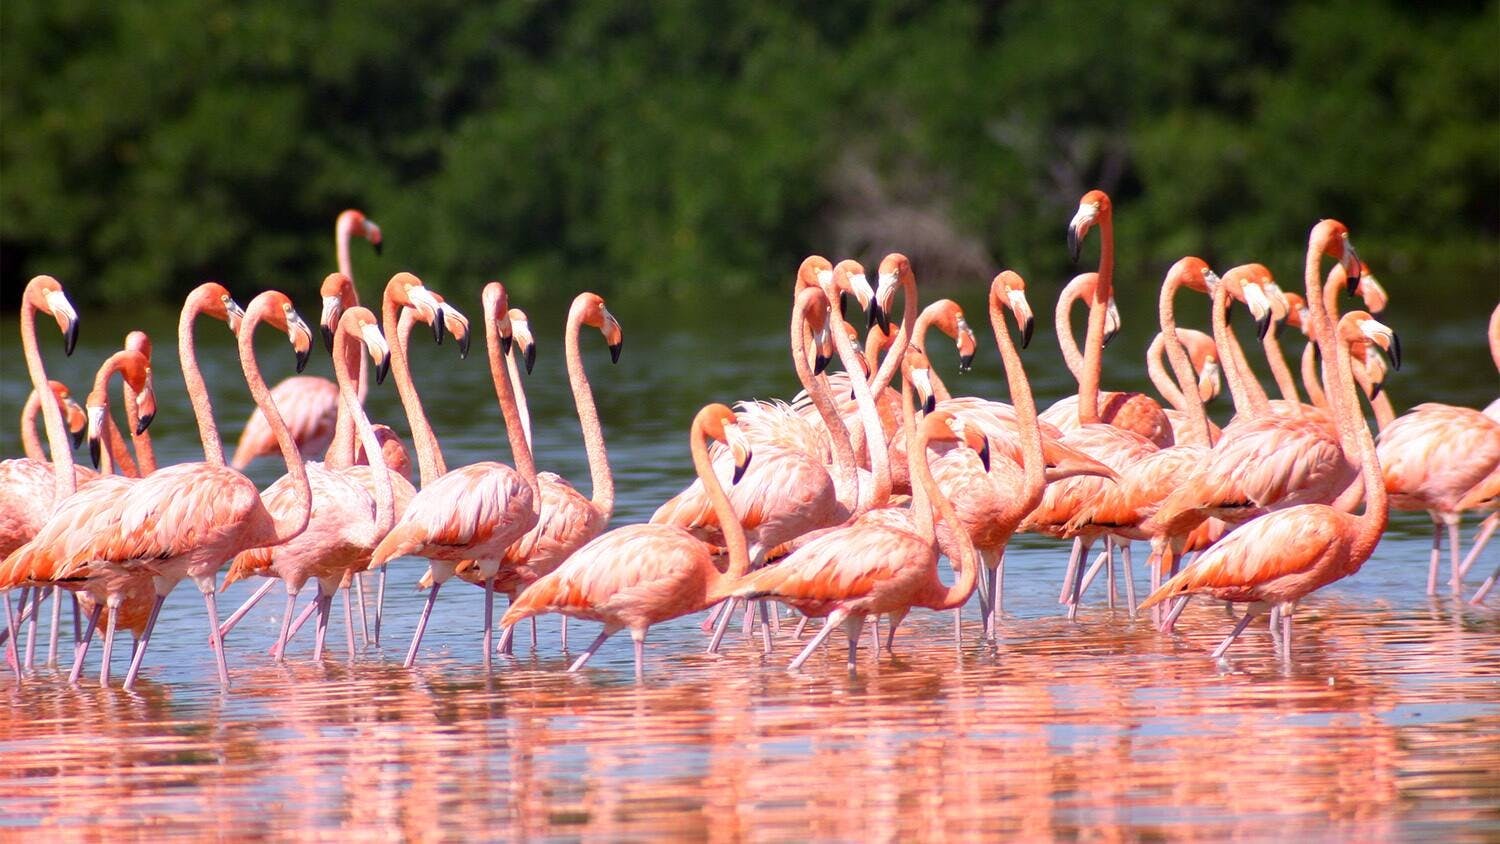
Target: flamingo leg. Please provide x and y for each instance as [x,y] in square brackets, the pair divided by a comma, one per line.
[57,623]
[142,643]
[76,631]
[1251,612]
[1092,573]
[359,592]
[1171,620]
[997,592]
[1437,554]
[503,647]
[379,602]
[1078,582]
[36,610]
[1129,578]
[584,657]
[349,619]
[533,631]
[109,647]
[11,655]
[852,627]
[489,618]
[1484,588]
[565,634]
[416,639]
[723,625]
[890,639]
[1074,561]
[1109,569]
[639,636]
[278,651]
[301,620]
[1457,584]
[713,615]
[234,618]
[834,620]
[325,609]
[1286,633]
[765,626]
[801,627]
[1482,538]
[82,651]
[875,636]
[211,605]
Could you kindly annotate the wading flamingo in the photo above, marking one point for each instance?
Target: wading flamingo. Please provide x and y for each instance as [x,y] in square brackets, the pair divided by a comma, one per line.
[1283,556]
[477,511]
[639,575]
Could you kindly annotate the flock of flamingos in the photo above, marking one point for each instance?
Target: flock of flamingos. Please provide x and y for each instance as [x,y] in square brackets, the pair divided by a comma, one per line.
[836,504]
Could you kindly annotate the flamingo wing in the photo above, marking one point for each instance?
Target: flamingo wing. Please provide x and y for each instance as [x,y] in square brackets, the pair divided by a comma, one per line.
[308,405]
[473,511]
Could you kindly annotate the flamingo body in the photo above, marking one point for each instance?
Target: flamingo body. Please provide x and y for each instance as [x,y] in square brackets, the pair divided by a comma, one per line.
[308,404]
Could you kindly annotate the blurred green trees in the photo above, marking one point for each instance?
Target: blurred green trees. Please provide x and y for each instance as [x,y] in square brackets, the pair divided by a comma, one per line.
[145,146]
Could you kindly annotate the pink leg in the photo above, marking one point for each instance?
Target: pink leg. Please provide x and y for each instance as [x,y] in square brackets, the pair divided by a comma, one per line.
[533,632]
[379,602]
[1109,569]
[82,651]
[36,610]
[834,621]
[1075,559]
[109,647]
[234,618]
[1457,583]
[724,618]
[713,616]
[506,634]
[1078,583]
[640,654]
[278,651]
[140,646]
[416,639]
[1171,620]
[765,627]
[801,627]
[489,619]
[57,623]
[299,621]
[11,655]
[853,627]
[1437,554]
[1129,578]
[359,592]
[1486,530]
[211,605]
[1484,588]
[590,652]
[1093,572]
[349,619]
[564,634]
[325,609]
[1251,612]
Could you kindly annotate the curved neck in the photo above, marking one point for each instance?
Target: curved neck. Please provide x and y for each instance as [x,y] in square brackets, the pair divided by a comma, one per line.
[429,454]
[1062,318]
[340,452]
[192,378]
[1346,409]
[1310,375]
[600,477]
[52,421]
[287,522]
[1163,382]
[729,523]
[120,460]
[385,497]
[919,340]
[1188,399]
[845,475]
[1093,349]
[1321,327]
[897,350]
[1033,465]
[925,497]
[515,433]
[1236,371]
[518,386]
[31,443]
[875,443]
[1285,383]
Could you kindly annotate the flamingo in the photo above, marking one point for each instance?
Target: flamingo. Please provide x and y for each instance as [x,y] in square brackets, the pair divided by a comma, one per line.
[346,519]
[1279,558]
[309,403]
[1203,355]
[73,420]
[639,575]
[474,512]
[885,563]
[567,520]
[948,317]
[187,520]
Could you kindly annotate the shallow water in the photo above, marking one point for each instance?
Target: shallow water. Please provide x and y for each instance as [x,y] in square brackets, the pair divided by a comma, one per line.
[1385,724]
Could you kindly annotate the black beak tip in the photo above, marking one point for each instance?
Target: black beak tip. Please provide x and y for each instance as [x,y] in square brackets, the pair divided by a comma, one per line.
[739,470]
[1277,328]
[930,404]
[302,357]
[463,347]
[382,369]
[505,344]
[820,363]
[984,456]
[530,357]
[965,363]
[843,303]
[1262,325]
[1375,389]
[379,247]
[94,452]
[614,351]
[1108,336]
[1075,244]
[439,329]
[143,423]
[1353,283]
[1395,351]
[327,337]
[70,338]
[1026,331]
[78,437]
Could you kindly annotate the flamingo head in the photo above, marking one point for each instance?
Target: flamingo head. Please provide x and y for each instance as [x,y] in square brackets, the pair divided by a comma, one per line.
[496,305]
[1244,283]
[1333,238]
[1371,291]
[849,279]
[405,290]
[1008,290]
[718,422]
[356,224]
[214,300]
[594,314]
[940,426]
[1374,366]
[275,308]
[918,370]
[454,323]
[1296,311]
[391,449]
[45,293]
[136,370]
[525,343]
[949,319]
[1359,326]
[337,291]
[139,341]
[895,271]
[1194,273]
[73,415]
[359,324]
[1093,206]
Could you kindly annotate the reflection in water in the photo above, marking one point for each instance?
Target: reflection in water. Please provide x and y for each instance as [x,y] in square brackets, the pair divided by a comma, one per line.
[1387,724]
[1389,721]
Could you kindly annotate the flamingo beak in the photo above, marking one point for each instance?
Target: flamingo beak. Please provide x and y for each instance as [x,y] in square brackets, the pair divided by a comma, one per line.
[965,362]
[739,448]
[1208,380]
[1375,388]
[921,380]
[984,452]
[1395,351]
[67,319]
[528,355]
[332,308]
[301,337]
[859,285]
[1353,268]
[145,402]
[234,313]
[77,423]
[1111,322]
[880,305]
[439,327]
[95,434]
[379,351]
[1024,316]
[1080,225]
[457,325]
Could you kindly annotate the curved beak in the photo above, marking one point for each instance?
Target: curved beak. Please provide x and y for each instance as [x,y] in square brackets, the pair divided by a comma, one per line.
[967,348]
[1395,351]
[95,434]
[1022,309]
[921,380]
[77,423]
[739,449]
[965,362]
[67,319]
[1353,267]
[1385,338]
[301,337]
[885,297]
[984,450]
[1375,388]
[333,307]
[236,315]
[1372,293]
[1208,380]
[379,351]
[1078,227]
[457,325]
[145,404]
[1262,326]
[1111,322]
[859,285]
[1260,308]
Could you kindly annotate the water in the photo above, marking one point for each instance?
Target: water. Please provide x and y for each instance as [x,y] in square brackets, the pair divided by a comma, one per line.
[1386,724]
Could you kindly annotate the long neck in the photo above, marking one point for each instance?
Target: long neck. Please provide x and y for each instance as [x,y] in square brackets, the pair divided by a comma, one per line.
[1322,327]
[919,340]
[1063,322]
[31,444]
[729,523]
[1093,350]
[875,443]
[514,432]
[1191,402]
[1285,383]
[119,455]
[845,475]
[513,372]
[288,523]
[1310,375]
[1377,509]
[385,497]
[192,378]
[57,432]
[340,452]
[429,454]
[1033,466]
[1236,372]
[145,453]
[1157,372]
[897,351]
[588,418]
[925,497]
[1385,414]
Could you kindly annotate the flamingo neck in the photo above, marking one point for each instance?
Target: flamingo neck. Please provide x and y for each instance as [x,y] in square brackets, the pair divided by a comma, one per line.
[340,452]
[116,453]
[925,497]
[897,350]
[845,475]
[385,496]
[145,453]
[513,372]
[600,477]
[1236,372]
[1188,399]
[1063,322]
[1093,350]
[1494,334]
[1285,383]
[515,433]
[1158,373]
[1310,380]
[287,523]
[919,340]
[875,443]
[31,443]
[192,377]
[429,453]
[1033,464]
[52,421]
[729,523]
[1346,410]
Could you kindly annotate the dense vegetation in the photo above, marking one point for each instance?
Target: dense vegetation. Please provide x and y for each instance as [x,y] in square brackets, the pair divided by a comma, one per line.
[148,145]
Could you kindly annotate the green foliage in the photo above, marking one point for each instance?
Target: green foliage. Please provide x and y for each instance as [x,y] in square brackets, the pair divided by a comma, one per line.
[677,144]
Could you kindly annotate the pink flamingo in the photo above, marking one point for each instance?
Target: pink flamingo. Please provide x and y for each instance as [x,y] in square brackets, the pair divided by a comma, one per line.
[1281,557]
[1203,355]
[187,520]
[347,521]
[73,420]
[477,511]
[309,403]
[639,575]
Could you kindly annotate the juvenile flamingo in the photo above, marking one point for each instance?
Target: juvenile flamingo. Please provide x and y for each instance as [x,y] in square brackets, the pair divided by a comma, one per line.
[639,575]
[187,520]
[1283,556]
[309,403]
[477,511]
